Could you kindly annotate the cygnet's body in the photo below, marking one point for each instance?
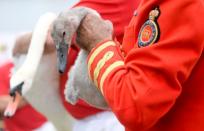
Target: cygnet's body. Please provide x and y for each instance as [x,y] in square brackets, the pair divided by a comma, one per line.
[79,85]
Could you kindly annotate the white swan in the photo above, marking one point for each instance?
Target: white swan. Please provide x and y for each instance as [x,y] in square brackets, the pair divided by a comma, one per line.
[79,85]
[38,80]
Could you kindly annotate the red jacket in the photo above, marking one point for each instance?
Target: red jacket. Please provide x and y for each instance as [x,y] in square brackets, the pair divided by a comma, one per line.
[20,121]
[120,13]
[155,81]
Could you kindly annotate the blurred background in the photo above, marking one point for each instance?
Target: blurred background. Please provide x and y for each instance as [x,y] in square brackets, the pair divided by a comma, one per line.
[18,16]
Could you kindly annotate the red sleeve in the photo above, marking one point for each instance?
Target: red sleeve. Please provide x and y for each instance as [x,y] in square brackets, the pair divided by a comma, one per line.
[4,78]
[25,119]
[143,86]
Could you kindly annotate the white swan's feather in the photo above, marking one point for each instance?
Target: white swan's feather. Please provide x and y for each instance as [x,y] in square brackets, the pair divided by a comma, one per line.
[39,72]
[30,65]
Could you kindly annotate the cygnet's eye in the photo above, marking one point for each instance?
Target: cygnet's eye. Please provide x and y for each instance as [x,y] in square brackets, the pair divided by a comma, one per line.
[63,34]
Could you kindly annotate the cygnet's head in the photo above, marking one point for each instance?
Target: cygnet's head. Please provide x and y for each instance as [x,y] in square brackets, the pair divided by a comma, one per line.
[63,29]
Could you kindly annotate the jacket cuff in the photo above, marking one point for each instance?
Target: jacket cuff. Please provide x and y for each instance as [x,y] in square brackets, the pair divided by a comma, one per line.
[102,60]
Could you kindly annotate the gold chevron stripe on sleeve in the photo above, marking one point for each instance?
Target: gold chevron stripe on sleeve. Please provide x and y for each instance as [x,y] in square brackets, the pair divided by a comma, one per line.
[98,50]
[108,70]
[100,64]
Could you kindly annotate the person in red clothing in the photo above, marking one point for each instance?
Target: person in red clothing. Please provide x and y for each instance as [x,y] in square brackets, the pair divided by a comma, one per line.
[153,81]
[20,121]
[119,12]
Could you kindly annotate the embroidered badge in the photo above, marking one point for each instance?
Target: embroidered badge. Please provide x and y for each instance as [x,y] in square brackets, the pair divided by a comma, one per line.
[149,32]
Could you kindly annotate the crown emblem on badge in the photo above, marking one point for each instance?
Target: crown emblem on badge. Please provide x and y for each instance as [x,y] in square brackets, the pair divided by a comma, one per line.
[153,14]
[149,32]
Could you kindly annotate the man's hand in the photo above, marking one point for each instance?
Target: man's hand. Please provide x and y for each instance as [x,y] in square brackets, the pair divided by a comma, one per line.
[92,31]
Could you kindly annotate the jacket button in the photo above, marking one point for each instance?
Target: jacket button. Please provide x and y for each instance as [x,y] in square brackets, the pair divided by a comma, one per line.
[135,13]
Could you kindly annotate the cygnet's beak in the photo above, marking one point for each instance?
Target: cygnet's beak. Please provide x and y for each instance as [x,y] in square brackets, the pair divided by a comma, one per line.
[62,49]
